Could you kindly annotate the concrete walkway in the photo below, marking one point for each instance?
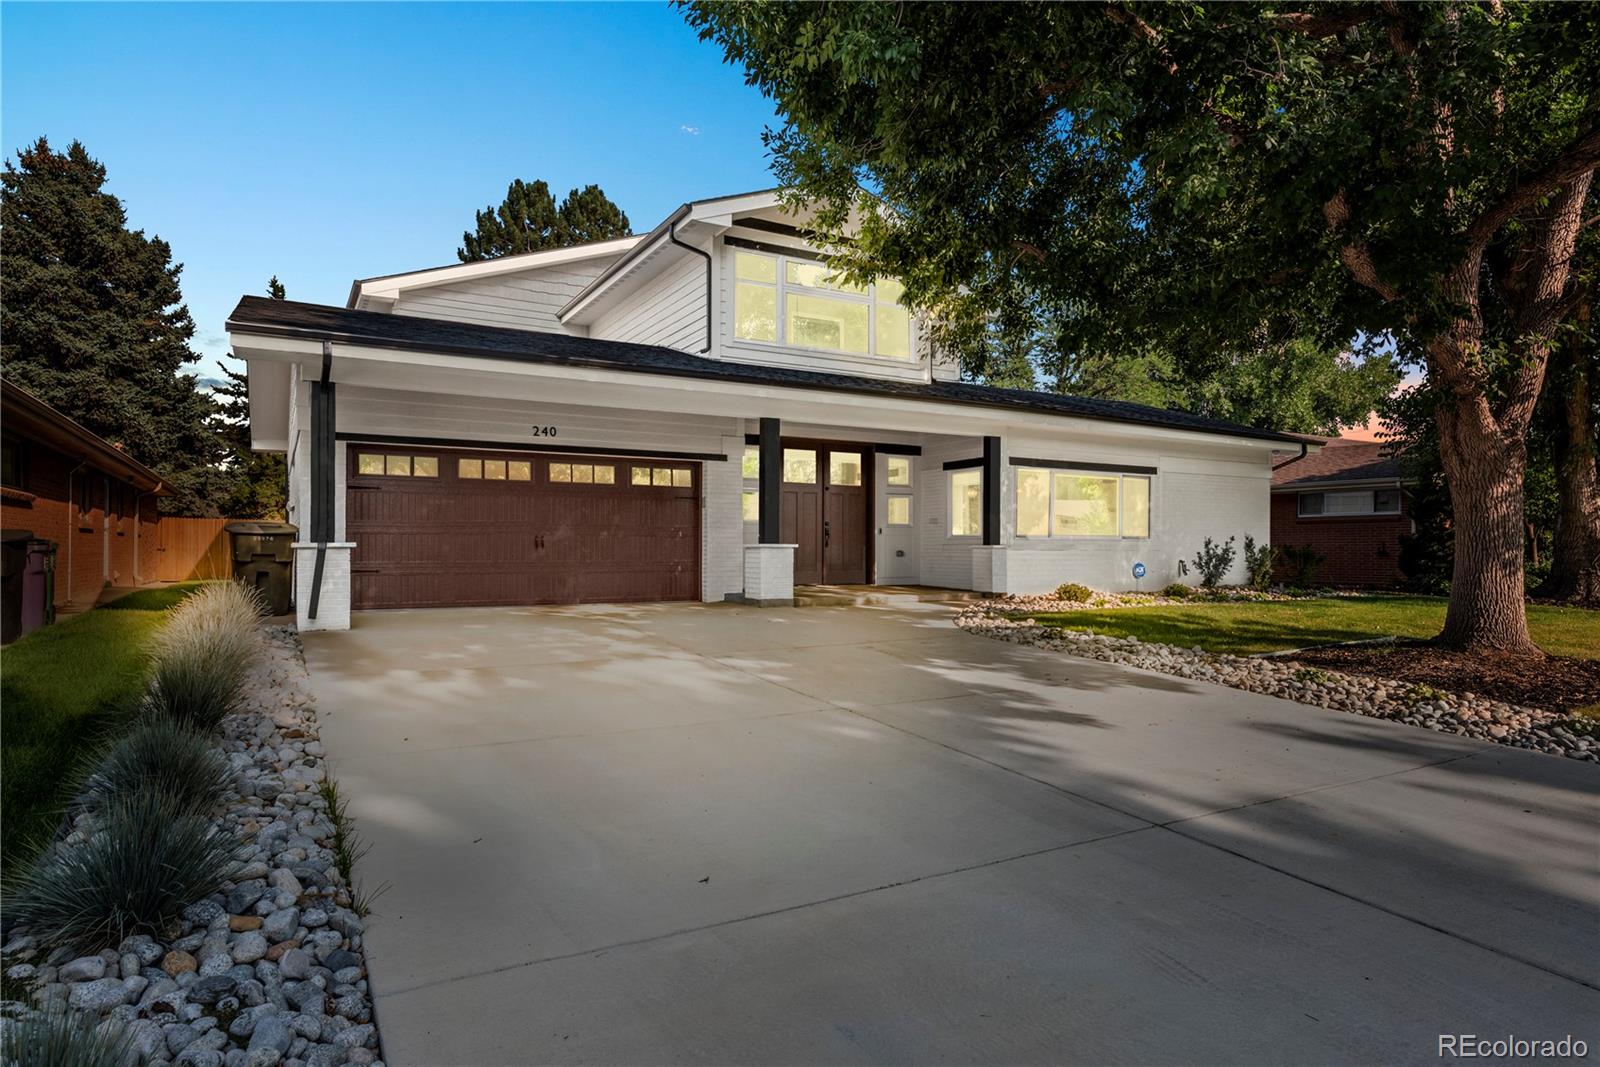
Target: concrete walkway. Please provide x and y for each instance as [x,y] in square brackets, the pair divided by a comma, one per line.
[692,834]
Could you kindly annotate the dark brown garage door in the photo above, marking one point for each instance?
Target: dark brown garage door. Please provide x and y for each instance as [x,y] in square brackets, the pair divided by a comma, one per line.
[434,528]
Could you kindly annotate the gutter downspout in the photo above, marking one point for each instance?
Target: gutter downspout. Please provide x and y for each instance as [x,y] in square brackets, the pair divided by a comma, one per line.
[672,235]
[321,510]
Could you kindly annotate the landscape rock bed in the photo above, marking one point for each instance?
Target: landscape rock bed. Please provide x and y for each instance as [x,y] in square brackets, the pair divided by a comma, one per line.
[269,972]
[1415,705]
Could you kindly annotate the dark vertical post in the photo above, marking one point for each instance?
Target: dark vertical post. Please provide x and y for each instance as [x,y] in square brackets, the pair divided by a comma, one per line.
[771,481]
[991,490]
[322,474]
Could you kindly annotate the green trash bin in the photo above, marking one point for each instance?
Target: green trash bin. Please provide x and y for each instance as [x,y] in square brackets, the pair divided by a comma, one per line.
[263,558]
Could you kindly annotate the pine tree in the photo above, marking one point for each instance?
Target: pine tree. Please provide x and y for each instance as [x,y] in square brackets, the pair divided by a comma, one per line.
[258,481]
[93,321]
[528,220]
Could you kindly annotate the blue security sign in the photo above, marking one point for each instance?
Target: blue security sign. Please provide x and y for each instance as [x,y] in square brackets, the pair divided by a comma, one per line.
[1138,570]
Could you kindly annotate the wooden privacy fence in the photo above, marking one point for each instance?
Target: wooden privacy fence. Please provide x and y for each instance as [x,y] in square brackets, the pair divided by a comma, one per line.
[188,549]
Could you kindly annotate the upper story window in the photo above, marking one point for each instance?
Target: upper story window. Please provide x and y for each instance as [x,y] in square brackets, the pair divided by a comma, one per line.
[799,302]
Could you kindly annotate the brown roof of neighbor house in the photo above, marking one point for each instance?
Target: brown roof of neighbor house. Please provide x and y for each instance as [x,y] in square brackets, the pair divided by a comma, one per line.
[1339,461]
[25,415]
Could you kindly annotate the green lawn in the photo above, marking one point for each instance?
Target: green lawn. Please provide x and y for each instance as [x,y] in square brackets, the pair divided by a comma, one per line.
[62,689]
[1267,626]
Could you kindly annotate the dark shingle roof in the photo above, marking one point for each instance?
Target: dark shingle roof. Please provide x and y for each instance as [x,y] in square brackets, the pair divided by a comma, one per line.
[1339,461]
[288,318]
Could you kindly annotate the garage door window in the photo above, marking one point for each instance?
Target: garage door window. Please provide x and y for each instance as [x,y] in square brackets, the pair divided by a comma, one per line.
[670,477]
[494,470]
[370,463]
[584,473]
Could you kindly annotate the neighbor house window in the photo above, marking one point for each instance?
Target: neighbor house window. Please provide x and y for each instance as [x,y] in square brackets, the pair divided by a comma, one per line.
[1056,503]
[11,463]
[966,503]
[1350,502]
[800,302]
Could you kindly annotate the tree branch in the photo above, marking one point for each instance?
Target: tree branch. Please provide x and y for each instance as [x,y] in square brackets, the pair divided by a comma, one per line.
[1576,159]
[1354,253]
[1324,24]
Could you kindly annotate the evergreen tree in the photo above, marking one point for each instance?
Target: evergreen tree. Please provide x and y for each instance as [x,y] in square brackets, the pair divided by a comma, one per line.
[93,321]
[528,220]
[258,481]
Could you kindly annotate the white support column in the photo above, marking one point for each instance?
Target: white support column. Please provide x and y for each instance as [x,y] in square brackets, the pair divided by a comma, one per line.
[769,575]
[333,603]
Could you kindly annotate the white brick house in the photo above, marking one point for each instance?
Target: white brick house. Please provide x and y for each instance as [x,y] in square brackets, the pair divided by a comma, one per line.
[699,413]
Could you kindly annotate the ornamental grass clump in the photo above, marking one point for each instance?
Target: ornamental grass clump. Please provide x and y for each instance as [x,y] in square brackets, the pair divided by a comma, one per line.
[159,756]
[1074,593]
[144,858]
[203,656]
[63,1038]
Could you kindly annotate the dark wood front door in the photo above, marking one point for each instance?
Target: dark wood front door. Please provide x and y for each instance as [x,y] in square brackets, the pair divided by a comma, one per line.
[435,527]
[824,511]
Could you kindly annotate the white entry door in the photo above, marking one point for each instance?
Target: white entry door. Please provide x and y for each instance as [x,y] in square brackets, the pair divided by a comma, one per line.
[895,512]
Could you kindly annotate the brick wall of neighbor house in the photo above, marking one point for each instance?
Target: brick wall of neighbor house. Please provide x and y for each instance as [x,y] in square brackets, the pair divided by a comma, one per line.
[1358,550]
[81,537]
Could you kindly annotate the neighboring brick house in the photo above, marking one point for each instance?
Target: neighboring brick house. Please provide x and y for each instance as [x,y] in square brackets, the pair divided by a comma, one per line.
[64,483]
[1348,503]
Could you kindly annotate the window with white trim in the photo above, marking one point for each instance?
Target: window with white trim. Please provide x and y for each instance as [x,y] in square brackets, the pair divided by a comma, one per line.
[966,503]
[1060,503]
[798,302]
[750,496]
[1349,502]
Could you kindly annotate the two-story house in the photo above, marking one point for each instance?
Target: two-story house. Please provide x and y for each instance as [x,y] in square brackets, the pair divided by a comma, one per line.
[700,413]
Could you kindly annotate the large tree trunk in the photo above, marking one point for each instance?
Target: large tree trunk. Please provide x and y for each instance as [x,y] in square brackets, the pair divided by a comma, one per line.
[1484,469]
[1575,559]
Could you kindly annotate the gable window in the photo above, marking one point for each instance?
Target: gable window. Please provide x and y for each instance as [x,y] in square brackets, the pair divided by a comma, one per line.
[800,302]
[1350,502]
[966,503]
[1055,503]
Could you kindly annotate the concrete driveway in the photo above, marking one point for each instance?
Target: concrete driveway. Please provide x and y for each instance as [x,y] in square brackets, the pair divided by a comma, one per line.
[692,834]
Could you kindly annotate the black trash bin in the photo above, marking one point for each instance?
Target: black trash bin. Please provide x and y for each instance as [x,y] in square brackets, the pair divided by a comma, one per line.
[263,558]
[13,561]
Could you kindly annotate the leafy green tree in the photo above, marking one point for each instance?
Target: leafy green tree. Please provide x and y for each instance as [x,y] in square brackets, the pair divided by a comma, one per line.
[93,321]
[528,220]
[258,485]
[1180,175]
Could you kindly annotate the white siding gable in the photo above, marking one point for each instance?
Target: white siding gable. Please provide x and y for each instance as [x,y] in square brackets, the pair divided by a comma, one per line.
[526,300]
[668,309]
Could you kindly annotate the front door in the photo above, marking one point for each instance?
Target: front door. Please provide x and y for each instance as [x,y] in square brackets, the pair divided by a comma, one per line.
[823,512]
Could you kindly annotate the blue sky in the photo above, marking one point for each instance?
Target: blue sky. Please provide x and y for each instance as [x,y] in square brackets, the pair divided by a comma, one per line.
[328,142]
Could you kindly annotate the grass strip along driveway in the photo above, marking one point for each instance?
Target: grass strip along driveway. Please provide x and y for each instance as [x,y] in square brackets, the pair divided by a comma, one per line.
[1245,628]
[63,688]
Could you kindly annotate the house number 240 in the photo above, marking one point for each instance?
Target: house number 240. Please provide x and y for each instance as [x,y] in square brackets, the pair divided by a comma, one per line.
[544,431]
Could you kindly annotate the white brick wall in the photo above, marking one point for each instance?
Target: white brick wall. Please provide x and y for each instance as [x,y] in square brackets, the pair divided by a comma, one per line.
[722,524]
[333,605]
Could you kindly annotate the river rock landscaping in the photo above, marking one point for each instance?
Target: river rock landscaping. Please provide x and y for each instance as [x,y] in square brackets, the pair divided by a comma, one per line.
[269,968]
[1519,726]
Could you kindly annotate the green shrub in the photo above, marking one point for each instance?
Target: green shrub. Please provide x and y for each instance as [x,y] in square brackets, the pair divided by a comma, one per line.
[1213,561]
[204,654]
[1177,591]
[163,757]
[65,1038]
[1072,591]
[1302,563]
[145,859]
[1259,563]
